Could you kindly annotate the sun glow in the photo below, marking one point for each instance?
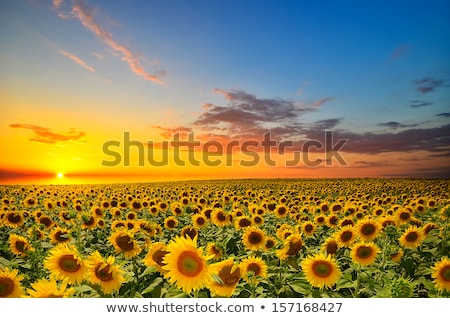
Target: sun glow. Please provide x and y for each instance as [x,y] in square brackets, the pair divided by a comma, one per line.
[60,175]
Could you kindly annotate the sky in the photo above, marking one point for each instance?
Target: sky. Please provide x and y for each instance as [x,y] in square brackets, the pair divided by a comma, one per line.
[137,91]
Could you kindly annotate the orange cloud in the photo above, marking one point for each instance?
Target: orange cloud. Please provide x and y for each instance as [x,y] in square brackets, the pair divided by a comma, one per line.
[77,60]
[46,136]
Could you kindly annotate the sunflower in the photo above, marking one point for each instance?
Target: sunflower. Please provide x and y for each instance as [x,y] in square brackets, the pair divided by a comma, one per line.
[189,231]
[19,245]
[199,221]
[333,220]
[13,219]
[46,221]
[270,243]
[291,246]
[185,264]
[254,238]
[254,267]
[441,274]
[64,261]
[397,256]
[220,217]
[243,222]
[320,219]
[44,288]
[364,253]
[258,219]
[104,273]
[320,270]
[430,227]
[330,246]
[214,250]
[156,255]
[124,242]
[30,202]
[131,216]
[367,229]
[412,237]
[227,276]
[116,213]
[403,216]
[10,283]
[171,223]
[345,236]
[308,228]
[281,211]
[89,221]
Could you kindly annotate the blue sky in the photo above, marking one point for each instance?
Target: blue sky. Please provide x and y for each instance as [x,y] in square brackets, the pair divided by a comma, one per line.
[362,67]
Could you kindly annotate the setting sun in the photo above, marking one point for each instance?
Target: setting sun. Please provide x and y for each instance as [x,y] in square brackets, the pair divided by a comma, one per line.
[60,175]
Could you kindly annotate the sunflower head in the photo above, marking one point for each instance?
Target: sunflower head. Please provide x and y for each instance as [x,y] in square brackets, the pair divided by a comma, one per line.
[185,264]
[10,283]
[253,267]
[441,274]
[44,288]
[19,245]
[364,253]
[254,238]
[291,246]
[227,276]
[64,261]
[321,270]
[412,237]
[104,273]
[124,242]
[155,256]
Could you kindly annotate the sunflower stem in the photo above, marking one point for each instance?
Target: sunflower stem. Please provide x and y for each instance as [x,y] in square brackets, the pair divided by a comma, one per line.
[444,234]
[358,281]
[136,276]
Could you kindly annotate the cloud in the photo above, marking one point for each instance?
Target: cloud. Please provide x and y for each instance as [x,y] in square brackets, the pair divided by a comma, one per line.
[98,55]
[427,84]
[46,136]
[443,114]
[56,4]
[435,139]
[395,125]
[77,60]
[250,116]
[86,16]
[371,164]
[419,103]
[400,51]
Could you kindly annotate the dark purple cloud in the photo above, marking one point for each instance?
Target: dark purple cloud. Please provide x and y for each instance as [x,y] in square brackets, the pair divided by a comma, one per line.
[395,125]
[427,84]
[419,103]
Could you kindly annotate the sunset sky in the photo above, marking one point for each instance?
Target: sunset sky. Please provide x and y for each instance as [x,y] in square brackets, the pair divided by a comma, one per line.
[79,77]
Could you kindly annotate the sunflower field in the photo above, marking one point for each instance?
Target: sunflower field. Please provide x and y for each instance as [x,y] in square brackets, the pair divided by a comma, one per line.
[276,238]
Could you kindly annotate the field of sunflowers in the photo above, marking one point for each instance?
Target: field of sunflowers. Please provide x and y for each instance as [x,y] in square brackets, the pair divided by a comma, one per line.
[227,238]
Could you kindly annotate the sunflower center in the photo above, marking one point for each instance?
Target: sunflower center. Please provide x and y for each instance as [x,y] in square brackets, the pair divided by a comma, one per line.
[158,257]
[89,221]
[104,274]
[404,216]
[294,246]
[227,277]
[171,223]
[14,218]
[59,236]
[20,246]
[255,238]
[445,273]
[346,236]
[45,221]
[244,222]
[221,216]
[6,286]
[69,263]
[364,252]
[200,221]
[125,242]
[322,269]
[189,264]
[368,229]
[332,247]
[255,268]
[308,228]
[411,237]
